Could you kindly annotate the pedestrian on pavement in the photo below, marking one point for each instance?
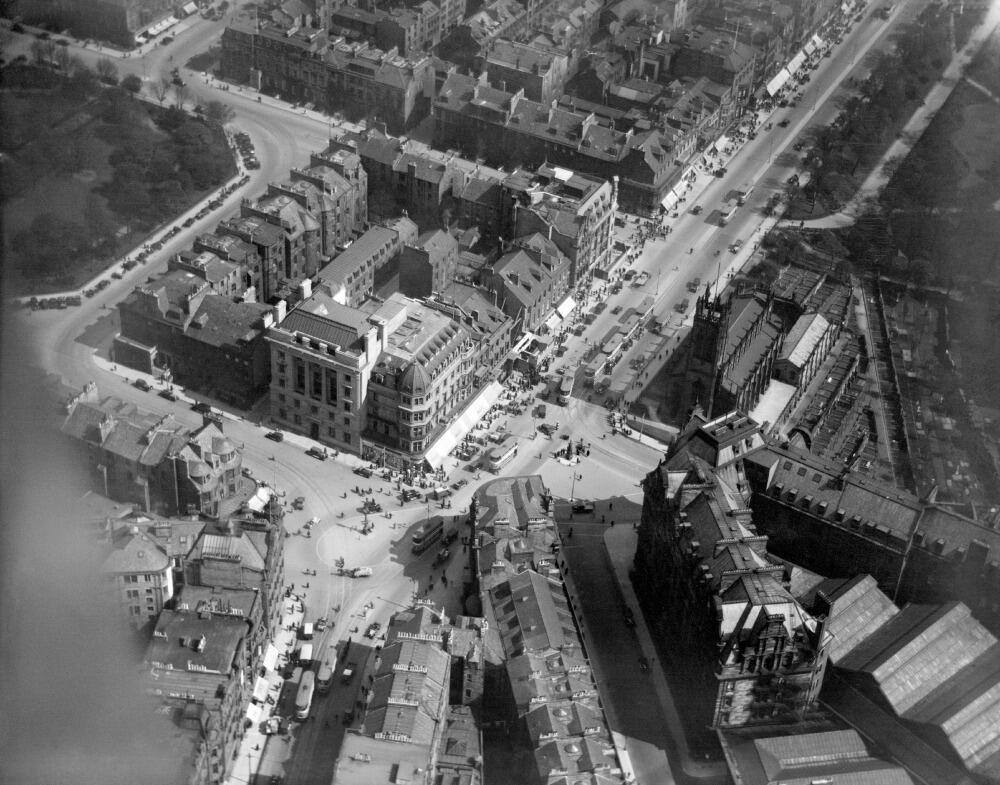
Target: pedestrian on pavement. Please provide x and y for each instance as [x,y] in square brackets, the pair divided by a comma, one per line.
[612,524]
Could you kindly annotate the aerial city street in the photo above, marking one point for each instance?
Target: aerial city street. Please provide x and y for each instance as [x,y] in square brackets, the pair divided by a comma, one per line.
[558,392]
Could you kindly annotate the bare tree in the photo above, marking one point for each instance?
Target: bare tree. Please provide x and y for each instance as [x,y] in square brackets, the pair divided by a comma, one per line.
[160,89]
[62,58]
[180,94]
[107,70]
[37,51]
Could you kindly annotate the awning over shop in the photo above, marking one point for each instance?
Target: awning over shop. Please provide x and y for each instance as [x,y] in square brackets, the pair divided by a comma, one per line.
[260,688]
[818,42]
[464,423]
[778,81]
[565,308]
[260,498]
[253,713]
[721,142]
[270,657]
[190,8]
[669,202]
[552,322]
[796,62]
[141,38]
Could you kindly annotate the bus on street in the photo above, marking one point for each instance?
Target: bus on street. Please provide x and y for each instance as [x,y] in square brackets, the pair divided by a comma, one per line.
[327,668]
[304,697]
[504,452]
[565,390]
[428,533]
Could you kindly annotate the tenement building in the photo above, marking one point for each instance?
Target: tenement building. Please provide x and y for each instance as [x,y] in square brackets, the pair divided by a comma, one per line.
[207,341]
[509,129]
[154,461]
[197,667]
[303,64]
[705,570]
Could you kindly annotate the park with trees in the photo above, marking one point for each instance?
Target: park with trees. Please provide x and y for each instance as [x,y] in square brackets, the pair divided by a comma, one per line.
[88,168]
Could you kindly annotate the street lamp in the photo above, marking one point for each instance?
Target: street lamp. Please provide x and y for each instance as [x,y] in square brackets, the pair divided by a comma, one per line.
[572,490]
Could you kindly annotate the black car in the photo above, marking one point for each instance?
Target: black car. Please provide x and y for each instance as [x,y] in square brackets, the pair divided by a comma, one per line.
[168,394]
[783,123]
[142,384]
[363,471]
[373,630]
[275,436]
[317,453]
[201,407]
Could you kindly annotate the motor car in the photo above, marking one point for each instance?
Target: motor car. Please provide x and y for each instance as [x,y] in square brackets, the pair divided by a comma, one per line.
[189,222]
[783,123]
[720,172]
[178,81]
[317,453]
[793,180]
[299,503]
[275,436]
[201,407]
[363,471]
[142,384]
[167,394]
[736,246]
[696,210]
[409,495]
[373,630]
[253,163]
[616,310]
[629,275]
[17,27]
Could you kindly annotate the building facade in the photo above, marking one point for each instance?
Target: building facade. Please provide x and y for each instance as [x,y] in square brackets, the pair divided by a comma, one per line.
[141,576]
[206,341]
[339,75]
[530,280]
[705,569]
[198,670]
[152,461]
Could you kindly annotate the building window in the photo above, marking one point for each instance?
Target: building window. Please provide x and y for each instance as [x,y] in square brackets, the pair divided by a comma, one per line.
[132,594]
[317,383]
[283,413]
[347,437]
[347,406]
[297,419]
[131,579]
[347,422]
[300,376]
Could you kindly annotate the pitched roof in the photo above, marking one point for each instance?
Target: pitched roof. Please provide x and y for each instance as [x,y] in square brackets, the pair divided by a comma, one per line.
[803,338]
[533,613]
[138,554]
[857,608]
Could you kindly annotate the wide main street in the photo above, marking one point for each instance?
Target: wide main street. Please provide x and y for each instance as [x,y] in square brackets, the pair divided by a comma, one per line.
[64,342]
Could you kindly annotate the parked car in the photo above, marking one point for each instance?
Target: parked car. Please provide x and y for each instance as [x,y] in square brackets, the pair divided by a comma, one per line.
[317,453]
[363,471]
[299,503]
[736,246]
[275,436]
[142,384]
[373,630]
[168,394]
[783,123]
[696,210]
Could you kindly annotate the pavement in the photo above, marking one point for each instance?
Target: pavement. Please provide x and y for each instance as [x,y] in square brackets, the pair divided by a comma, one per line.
[595,560]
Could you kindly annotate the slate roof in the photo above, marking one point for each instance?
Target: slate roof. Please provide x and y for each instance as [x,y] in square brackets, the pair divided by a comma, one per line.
[918,649]
[408,689]
[803,338]
[177,637]
[138,554]
[326,320]
[857,609]
[838,756]
[533,614]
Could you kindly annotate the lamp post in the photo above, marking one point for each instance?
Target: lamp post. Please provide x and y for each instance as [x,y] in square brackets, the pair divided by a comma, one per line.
[572,490]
